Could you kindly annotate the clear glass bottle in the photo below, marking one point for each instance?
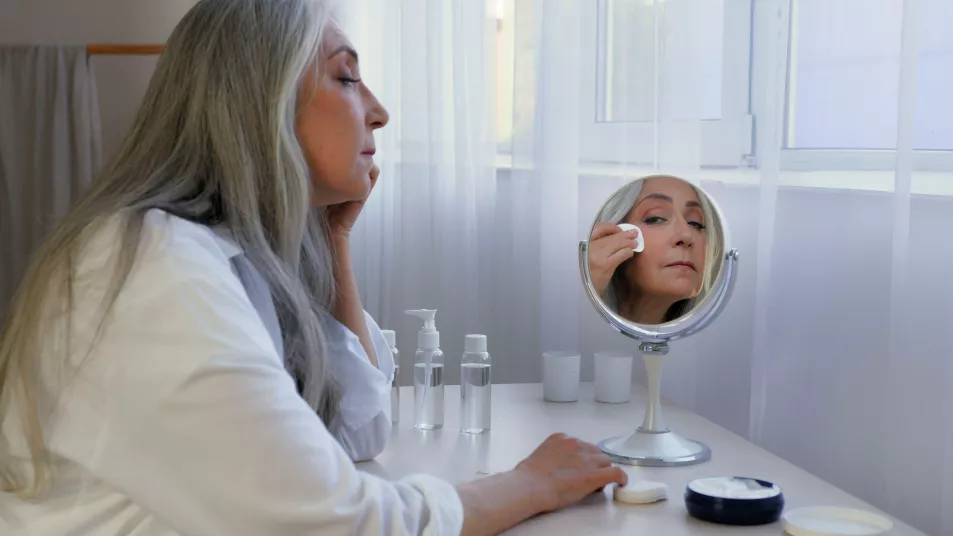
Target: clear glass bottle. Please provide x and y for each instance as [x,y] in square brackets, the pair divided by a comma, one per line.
[391,337]
[428,374]
[428,395]
[475,385]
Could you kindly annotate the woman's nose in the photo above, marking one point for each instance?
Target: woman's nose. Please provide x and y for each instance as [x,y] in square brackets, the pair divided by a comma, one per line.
[684,236]
[377,116]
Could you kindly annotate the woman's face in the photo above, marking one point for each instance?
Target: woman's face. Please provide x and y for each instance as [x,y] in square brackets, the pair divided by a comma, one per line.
[672,266]
[335,125]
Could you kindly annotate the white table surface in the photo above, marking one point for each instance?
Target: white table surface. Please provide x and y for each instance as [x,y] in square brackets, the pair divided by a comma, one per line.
[521,419]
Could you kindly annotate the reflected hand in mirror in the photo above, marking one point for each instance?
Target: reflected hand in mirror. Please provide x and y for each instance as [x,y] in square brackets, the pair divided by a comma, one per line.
[679,262]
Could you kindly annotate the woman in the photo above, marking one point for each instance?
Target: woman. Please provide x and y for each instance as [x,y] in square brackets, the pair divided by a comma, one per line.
[679,261]
[167,365]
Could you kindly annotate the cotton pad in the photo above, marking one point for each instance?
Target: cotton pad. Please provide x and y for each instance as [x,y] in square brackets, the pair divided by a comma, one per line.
[639,241]
[641,492]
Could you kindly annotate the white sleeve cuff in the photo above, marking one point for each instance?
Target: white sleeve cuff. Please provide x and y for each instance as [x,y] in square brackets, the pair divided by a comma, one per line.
[446,509]
[363,422]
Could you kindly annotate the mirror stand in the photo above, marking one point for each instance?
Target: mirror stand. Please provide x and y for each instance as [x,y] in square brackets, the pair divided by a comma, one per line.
[653,444]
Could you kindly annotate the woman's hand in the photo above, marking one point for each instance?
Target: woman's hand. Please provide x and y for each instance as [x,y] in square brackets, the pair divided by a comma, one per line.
[567,469]
[341,218]
[347,308]
[609,246]
[561,471]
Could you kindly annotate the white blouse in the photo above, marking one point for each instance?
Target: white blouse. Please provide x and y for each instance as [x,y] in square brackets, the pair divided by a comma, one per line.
[363,422]
[181,419]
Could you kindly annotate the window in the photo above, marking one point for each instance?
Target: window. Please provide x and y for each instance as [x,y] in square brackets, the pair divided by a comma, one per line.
[660,66]
[637,53]
[844,75]
[682,69]
[843,86]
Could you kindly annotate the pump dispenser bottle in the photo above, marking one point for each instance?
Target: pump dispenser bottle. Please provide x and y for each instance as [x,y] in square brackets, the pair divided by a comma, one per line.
[428,374]
[475,386]
[391,337]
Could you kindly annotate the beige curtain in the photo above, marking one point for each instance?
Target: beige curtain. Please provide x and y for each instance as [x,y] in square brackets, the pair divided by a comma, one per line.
[49,147]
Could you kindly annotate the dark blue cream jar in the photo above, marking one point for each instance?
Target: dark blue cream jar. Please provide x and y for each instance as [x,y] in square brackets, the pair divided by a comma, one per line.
[734,500]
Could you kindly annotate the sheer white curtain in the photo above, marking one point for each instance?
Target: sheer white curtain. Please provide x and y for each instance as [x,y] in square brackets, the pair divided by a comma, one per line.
[823,129]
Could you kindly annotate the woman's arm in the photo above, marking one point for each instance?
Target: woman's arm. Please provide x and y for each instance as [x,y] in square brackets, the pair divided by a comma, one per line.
[347,308]
[185,407]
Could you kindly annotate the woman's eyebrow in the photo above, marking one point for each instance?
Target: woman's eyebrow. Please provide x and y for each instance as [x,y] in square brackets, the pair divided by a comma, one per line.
[344,48]
[663,197]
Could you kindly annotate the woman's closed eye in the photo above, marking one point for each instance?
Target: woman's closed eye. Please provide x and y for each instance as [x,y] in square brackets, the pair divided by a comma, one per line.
[348,81]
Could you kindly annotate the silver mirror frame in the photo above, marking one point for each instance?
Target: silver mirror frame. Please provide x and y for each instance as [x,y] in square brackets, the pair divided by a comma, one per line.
[696,319]
[652,443]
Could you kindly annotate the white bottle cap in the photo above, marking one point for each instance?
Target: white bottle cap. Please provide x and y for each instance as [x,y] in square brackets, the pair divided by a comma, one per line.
[390,336]
[475,343]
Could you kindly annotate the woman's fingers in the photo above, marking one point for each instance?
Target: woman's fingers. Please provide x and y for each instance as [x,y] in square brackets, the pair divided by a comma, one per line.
[604,476]
[375,172]
[603,229]
[601,460]
[611,243]
[619,257]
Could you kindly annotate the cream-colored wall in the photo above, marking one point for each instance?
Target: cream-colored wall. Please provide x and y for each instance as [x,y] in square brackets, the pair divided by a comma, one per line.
[121,80]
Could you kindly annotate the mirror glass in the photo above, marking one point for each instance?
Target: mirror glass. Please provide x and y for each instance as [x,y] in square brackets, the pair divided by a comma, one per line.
[656,250]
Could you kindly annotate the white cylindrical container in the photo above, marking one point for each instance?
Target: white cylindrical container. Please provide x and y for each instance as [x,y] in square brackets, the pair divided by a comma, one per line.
[561,376]
[613,377]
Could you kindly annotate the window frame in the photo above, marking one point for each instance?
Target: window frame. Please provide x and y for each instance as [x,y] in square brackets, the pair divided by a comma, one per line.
[725,142]
[814,159]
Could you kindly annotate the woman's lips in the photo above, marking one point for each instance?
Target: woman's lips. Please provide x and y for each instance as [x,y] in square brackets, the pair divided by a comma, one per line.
[683,265]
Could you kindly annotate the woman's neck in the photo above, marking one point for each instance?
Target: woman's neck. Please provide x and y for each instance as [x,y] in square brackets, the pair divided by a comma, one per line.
[644,309]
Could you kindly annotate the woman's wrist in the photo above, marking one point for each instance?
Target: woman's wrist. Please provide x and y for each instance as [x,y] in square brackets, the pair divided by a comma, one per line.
[538,487]
[496,503]
[347,308]
[341,246]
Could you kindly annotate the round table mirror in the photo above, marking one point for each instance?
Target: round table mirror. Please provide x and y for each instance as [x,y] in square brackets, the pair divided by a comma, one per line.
[658,266]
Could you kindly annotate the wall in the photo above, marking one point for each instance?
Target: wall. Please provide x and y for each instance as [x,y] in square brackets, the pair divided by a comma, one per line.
[121,80]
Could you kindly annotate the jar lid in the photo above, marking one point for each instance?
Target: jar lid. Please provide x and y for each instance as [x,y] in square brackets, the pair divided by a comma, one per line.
[835,521]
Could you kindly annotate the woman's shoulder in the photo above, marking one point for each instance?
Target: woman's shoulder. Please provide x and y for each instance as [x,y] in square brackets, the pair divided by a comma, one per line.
[180,294]
[163,237]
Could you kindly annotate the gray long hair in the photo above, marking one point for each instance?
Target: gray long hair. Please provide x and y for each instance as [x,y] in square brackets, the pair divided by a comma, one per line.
[619,206]
[213,142]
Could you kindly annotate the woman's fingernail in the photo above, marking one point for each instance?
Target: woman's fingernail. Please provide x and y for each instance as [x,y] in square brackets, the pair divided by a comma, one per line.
[638,244]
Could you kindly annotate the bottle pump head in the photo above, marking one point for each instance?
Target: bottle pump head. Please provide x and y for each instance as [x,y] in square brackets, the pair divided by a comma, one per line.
[428,338]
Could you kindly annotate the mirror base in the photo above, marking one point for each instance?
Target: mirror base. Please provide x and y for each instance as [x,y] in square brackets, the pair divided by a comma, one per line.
[666,449]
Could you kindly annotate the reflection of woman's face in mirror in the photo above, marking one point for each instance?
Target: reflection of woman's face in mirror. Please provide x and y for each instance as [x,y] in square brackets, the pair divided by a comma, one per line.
[672,266]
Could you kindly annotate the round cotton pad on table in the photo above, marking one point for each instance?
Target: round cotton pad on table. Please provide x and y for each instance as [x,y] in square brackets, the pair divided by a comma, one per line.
[834,521]
[641,492]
